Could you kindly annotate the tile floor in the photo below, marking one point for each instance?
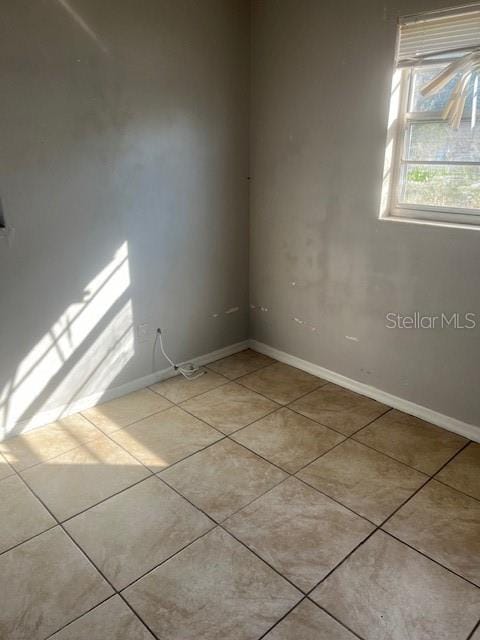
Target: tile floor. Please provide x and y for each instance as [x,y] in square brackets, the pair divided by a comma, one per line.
[255,502]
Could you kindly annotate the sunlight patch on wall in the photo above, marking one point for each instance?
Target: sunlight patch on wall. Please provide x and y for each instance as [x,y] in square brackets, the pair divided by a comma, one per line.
[393,115]
[90,342]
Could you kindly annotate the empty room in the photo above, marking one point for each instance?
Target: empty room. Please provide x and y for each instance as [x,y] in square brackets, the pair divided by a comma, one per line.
[239,320]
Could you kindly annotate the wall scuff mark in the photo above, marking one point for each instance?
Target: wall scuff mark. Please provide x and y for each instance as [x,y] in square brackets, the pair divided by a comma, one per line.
[304,323]
[227,312]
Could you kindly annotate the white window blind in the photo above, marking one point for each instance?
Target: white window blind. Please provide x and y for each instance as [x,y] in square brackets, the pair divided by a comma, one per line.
[453,31]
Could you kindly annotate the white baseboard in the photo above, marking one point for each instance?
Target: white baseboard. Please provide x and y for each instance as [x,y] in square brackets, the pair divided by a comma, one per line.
[469,431]
[42,418]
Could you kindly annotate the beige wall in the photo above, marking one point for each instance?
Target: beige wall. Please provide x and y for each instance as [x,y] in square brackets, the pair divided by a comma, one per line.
[320,94]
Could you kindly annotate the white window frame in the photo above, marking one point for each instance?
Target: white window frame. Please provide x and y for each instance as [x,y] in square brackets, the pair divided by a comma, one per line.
[399,118]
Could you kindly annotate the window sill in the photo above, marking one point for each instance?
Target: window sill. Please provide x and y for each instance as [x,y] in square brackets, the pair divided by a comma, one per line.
[424,217]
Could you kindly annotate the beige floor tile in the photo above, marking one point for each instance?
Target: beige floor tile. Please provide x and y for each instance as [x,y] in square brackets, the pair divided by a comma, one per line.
[213,590]
[136,530]
[387,590]
[364,480]
[45,583]
[445,525]
[5,469]
[308,622]
[119,413]
[411,440]
[111,620]
[178,389]
[281,383]
[298,531]
[463,472]
[21,514]
[165,438]
[240,364]
[288,439]
[229,407]
[48,442]
[223,478]
[84,476]
[339,408]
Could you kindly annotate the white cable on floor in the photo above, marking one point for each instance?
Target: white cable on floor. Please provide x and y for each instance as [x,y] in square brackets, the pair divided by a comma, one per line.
[187,369]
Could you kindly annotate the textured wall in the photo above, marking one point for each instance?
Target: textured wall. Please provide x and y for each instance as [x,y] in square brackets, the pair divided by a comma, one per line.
[320,94]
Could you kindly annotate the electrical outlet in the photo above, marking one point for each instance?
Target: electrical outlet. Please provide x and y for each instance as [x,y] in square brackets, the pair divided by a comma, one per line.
[142,332]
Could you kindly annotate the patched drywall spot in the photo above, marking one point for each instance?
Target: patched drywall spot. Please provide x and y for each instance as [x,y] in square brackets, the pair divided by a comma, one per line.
[305,324]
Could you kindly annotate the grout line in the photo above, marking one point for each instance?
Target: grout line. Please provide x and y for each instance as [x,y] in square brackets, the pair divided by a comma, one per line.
[345,438]
[430,478]
[279,403]
[117,493]
[80,616]
[238,428]
[259,557]
[165,560]
[149,415]
[18,544]
[449,486]
[242,375]
[132,455]
[378,527]
[325,453]
[211,426]
[151,569]
[353,435]
[306,598]
[336,619]
[104,433]
[355,513]
[190,455]
[292,475]
[282,618]
[475,628]
[200,393]
[83,553]
[137,615]
[220,524]
[339,564]
[422,553]
[265,366]
[155,471]
[377,417]
[309,592]
[37,464]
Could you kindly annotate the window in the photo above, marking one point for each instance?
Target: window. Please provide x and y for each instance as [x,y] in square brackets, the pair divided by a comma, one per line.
[432,165]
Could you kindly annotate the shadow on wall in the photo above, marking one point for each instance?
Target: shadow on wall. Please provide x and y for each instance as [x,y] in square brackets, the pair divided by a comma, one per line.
[90,342]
